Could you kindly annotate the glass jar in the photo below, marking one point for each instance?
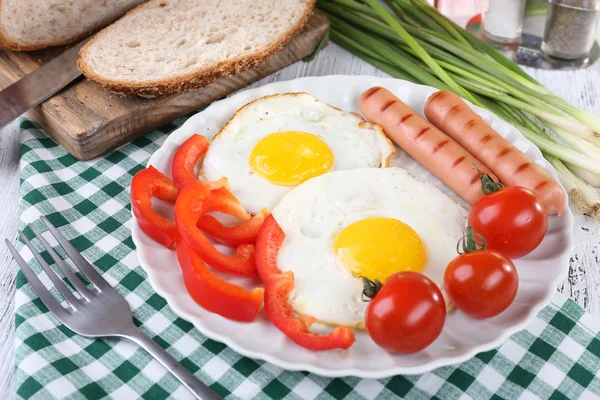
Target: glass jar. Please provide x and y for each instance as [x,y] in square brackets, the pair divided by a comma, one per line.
[503,20]
[571,28]
[460,11]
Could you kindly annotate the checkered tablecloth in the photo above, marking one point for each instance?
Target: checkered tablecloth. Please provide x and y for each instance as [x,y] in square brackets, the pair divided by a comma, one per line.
[557,356]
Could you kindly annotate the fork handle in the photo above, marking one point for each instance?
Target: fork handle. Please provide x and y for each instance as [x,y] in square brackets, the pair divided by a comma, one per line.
[199,389]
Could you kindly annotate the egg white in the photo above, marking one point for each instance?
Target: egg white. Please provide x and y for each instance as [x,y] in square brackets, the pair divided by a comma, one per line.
[354,142]
[313,214]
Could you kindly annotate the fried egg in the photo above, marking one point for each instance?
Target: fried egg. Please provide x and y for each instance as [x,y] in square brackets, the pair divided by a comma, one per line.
[366,222]
[277,142]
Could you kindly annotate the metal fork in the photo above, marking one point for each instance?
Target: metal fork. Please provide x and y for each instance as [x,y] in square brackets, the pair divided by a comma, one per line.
[100,311]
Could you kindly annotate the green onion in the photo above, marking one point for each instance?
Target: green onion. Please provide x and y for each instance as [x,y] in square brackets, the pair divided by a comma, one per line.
[386,50]
[591,120]
[589,177]
[477,43]
[564,153]
[577,143]
[352,45]
[582,196]
[419,19]
[443,22]
[418,44]
[536,7]
[423,55]
[369,56]
[594,140]
[357,6]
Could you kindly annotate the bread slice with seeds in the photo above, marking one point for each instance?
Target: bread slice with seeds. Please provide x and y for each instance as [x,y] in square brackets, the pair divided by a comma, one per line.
[170,46]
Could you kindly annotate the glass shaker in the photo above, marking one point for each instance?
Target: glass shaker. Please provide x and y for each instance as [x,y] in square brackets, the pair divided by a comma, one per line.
[460,11]
[503,21]
[571,28]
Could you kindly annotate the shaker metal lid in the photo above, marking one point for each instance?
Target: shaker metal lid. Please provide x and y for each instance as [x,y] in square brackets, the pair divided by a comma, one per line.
[587,5]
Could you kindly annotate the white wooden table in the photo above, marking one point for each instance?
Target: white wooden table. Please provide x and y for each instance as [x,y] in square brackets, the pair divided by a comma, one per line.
[582,285]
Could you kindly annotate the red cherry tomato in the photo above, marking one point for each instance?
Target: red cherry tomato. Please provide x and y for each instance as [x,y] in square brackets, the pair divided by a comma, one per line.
[512,220]
[407,314]
[481,284]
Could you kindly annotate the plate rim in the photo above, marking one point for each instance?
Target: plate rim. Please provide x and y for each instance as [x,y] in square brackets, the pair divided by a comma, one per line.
[313,367]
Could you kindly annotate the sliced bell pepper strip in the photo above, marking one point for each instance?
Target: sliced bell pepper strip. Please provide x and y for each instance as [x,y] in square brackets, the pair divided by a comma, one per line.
[146,184]
[279,285]
[184,163]
[218,184]
[194,202]
[235,235]
[269,241]
[213,293]
[224,201]
[186,158]
[182,169]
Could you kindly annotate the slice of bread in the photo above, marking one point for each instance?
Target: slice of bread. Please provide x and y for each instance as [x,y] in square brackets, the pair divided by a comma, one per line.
[35,24]
[170,46]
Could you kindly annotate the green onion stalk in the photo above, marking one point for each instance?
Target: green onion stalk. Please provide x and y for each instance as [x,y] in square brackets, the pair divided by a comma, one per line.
[411,40]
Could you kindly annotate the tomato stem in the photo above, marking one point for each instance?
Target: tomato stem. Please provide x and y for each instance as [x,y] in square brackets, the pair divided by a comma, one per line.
[470,242]
[488,185]
[370,288]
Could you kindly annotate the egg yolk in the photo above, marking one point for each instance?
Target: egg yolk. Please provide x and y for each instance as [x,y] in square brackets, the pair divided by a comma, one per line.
[291,157]
[378,247]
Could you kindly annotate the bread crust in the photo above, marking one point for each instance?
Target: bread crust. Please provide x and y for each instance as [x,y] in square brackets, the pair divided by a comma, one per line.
[8,44]
[192,80]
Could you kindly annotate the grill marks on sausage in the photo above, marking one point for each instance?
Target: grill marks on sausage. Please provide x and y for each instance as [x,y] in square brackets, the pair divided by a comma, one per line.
[388,105]
[455,109]
[470,124]
[448,113]
[485,139]
[522,168]
[371,92]
[438,95]
[440,145]
[422,131]
[428,144]
[504,153]
[458,161]
[474,179]
[540,185]
[405,118]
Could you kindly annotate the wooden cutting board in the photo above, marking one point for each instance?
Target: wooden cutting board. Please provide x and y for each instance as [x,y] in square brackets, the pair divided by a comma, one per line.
[87,120]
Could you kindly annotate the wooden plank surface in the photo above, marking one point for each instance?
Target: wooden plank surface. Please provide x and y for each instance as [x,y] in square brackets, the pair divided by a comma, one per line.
[9,198]
[88,120]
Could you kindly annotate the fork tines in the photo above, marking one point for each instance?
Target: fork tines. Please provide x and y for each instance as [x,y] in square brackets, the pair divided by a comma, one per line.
[82,264]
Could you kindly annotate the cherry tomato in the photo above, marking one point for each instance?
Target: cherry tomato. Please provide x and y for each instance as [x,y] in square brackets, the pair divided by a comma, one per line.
[512,220]
[482,283]
[407,314]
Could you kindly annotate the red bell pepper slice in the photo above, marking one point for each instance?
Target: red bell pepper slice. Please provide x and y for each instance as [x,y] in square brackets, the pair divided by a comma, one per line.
[225,202]
[213,293]
[186,158]
[233,236]
[146,184]
[184,163]
[218,184]
[245,233]
[194,202]
[279,285]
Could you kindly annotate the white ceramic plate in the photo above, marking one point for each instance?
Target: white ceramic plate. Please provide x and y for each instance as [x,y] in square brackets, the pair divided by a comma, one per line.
[462,337]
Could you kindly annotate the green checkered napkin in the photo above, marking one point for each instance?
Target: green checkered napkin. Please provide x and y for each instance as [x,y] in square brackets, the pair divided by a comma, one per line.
[557,356]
